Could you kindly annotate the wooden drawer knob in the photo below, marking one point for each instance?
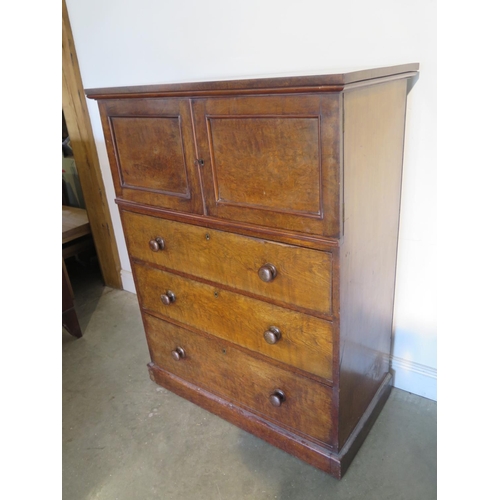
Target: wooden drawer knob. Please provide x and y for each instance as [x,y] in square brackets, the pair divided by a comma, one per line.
[267,273]
[272,335]
[168,297]
[157,244]
[277,398]
[178,353]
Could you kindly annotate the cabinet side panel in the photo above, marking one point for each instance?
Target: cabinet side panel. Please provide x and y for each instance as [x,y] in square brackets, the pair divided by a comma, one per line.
[374,119]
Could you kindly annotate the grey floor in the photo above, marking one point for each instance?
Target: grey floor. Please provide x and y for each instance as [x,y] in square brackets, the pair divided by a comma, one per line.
[124,437]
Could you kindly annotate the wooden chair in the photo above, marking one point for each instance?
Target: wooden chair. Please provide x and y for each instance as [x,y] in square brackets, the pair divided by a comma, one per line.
[76,237]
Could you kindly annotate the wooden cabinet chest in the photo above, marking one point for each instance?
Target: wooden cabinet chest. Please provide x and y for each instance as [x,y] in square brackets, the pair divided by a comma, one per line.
[261,219]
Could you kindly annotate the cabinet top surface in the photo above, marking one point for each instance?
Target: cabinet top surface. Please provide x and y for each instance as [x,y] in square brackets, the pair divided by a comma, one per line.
[324,82]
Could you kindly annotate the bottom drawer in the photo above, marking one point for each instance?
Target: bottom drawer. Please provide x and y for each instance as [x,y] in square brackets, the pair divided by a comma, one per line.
[303,405]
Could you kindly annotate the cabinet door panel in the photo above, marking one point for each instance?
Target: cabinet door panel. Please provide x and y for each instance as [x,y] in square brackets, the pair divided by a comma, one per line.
[272,160]
[151,151]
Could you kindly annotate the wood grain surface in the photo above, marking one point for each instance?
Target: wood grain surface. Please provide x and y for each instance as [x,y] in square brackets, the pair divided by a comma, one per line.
[272,161]
[151,152]
[217,366]
[296,84]
[84,149]
[307,342]
[373,156]
[75,223]
[304,276]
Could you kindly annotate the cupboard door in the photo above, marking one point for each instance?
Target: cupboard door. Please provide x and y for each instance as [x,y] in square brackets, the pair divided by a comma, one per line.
[272,160]
[152,153]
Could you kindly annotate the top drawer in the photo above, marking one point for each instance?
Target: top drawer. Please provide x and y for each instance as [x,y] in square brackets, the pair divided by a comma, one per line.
[303,276]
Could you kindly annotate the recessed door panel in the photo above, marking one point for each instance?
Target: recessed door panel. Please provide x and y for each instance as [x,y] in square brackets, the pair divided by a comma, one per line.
[267,162]
[151,154]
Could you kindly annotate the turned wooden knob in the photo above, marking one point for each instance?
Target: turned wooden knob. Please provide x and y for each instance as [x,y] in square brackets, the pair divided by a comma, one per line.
[178,353]
[157,244]
[272,335]
[168,297]
[267,273]
[277,398]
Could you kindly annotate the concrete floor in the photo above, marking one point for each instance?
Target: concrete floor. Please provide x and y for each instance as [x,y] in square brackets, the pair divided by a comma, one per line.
[126,438]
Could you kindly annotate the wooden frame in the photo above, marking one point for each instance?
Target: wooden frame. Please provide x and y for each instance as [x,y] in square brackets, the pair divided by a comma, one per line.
[82,142]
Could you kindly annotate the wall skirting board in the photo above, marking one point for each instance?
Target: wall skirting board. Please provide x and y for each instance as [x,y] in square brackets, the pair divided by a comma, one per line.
[414,377]
[128,281]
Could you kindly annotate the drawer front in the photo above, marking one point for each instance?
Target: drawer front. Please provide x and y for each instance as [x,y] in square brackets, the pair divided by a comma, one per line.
[305,341]
[151,151]
[224,370]
[303,276]
[272,160]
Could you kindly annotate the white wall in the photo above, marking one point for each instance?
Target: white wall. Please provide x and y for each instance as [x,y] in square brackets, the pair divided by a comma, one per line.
[162,41]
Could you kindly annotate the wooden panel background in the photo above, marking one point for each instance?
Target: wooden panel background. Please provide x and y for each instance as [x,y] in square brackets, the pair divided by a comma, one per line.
[85,154]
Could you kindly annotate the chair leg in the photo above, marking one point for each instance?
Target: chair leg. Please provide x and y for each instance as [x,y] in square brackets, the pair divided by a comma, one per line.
[70,322]
[69,317]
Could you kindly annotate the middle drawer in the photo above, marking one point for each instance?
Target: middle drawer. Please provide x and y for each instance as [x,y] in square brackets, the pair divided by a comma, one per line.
[296,339]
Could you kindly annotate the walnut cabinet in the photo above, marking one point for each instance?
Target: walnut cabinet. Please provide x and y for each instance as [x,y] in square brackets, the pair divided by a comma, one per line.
[261,220]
